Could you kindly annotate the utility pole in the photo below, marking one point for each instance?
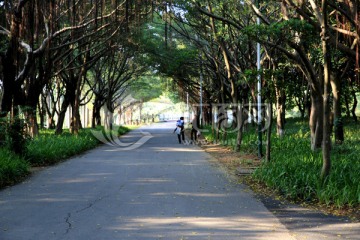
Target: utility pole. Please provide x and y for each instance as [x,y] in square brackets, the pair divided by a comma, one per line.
[187,106]
[201,82]
[258,49]
[201,96]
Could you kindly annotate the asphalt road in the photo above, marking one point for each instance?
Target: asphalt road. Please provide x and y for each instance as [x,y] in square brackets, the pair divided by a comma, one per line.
[145,186]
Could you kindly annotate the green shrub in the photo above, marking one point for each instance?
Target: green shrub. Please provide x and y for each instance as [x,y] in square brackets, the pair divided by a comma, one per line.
[13,135]
[122,130]
[12,168]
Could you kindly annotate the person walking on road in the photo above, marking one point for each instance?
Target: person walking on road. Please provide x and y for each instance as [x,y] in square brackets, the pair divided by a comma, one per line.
[180,129]
[194,129]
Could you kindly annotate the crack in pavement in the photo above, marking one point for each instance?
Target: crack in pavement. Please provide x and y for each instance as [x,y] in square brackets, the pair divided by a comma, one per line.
[92,204]
[67,218]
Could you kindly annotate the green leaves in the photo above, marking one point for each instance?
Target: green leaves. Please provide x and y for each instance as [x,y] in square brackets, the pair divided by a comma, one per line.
[289,29]
[147,87]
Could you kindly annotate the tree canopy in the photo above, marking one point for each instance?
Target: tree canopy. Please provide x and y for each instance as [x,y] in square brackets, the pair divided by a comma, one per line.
[55,54]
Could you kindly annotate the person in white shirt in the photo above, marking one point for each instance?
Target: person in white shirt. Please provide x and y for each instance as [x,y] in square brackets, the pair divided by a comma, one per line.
[180,129]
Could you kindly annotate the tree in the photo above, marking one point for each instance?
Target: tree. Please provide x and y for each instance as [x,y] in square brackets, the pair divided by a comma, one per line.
[287,30]
[112,78]
[46,38]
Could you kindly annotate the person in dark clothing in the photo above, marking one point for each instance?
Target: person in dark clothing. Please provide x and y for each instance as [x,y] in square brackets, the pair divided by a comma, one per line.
[194,130]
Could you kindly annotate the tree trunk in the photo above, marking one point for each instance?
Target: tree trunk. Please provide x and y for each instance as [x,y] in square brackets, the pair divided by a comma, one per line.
[280,110]
[338,125]
[75,118]
[68,98]
[326,143]
[108,119]
[308,101]
[9,85]
[268,134]
[347,107]
[93,125]
[42,114]
[240,122]
[302,108]
[31,94]
[109,115]
[219,119]
[353,109]
[316,120]
[280,104]
[9,62]
[32,125]
[223,126]
[64,106]
[51,122]
[49,110]
[214,115]
[96,116]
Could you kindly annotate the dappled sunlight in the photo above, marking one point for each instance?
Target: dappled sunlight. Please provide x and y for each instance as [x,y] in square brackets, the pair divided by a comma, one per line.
[192,164]
[126,147]
[98,174]
[38,200]
[78,180]
[152,180]
[192,194]
[178,226]
[55,200]
[233,223]
[151,164]
[140,164]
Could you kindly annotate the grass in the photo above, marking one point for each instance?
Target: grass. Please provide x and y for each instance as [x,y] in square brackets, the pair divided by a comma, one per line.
[294,170]
[12,168]
[45,150]
[49,148]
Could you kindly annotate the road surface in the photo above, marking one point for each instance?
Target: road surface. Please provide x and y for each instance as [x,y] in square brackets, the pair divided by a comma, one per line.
[147,186]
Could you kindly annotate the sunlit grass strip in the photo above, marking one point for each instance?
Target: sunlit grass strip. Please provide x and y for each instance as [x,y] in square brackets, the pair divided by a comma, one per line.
[49,148]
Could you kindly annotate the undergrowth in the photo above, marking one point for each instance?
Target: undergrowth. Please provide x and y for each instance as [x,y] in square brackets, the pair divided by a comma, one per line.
[44,150]
[12,167]
[294,169]
[48,148]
